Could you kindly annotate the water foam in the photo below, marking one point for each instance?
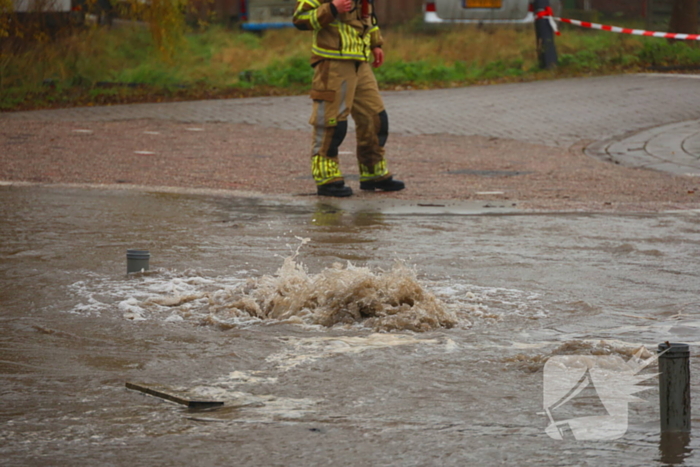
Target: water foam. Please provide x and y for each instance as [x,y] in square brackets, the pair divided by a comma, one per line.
[489,305]
[535,362]
[339,295]
[305,350]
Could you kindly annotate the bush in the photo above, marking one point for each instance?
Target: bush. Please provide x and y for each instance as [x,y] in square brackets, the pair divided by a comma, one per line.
[664,54]
[398,72]
[291,72]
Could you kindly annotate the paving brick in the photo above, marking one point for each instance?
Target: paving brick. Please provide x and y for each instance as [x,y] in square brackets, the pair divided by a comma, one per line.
[557,113]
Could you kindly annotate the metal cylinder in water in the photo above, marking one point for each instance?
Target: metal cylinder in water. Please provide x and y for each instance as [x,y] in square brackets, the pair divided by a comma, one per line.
[674,387]
[137,260]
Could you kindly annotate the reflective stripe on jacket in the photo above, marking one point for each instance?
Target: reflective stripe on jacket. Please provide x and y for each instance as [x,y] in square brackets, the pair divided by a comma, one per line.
[344,36]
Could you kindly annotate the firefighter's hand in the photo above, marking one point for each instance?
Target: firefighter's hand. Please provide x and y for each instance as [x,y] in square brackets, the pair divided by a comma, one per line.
[343,6]
[378,57]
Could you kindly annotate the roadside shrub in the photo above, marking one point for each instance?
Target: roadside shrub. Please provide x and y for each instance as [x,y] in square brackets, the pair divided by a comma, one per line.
[663,53]
[291,72]
[398,72]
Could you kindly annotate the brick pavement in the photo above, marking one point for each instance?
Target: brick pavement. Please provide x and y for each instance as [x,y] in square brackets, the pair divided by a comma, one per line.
[673,148]
[558,113]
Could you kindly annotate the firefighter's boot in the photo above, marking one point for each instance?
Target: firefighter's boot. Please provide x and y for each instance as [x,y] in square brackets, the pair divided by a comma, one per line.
[336,189]
[388,184]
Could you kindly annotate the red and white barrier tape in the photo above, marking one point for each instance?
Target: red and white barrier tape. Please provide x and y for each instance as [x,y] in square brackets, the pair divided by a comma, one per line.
[548,13]
[636,32]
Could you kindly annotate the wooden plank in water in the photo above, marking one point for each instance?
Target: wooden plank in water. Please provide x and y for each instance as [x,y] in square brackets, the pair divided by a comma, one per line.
[172,397]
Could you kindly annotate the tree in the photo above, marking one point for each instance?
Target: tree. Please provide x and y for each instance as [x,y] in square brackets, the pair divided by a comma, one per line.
[684,17]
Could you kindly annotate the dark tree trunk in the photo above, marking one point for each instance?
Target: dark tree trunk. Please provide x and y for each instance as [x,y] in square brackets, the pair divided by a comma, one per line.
[684,17]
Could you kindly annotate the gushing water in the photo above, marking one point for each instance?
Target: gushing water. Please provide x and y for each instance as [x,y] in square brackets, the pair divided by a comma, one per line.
[339,295]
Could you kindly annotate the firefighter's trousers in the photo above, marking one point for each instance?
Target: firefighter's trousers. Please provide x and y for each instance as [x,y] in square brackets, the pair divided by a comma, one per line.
[341,88]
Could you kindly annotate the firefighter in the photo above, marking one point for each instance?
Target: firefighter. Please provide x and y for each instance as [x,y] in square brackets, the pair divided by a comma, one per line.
[346,39]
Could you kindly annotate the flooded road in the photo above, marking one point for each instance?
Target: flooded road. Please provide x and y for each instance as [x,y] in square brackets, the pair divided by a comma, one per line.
[333,332]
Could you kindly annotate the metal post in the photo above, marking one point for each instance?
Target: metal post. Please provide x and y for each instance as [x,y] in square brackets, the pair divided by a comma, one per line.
[546,51]
[137,260]
[674,387]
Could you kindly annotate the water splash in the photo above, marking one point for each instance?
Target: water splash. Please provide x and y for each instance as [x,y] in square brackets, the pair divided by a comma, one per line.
[341,295]
[383,301]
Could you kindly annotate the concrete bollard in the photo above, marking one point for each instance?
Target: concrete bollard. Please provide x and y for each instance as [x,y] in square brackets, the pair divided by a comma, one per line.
[674,387]
[137,260]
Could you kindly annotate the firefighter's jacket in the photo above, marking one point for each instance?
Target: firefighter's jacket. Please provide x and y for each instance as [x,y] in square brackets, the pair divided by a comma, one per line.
[338,36]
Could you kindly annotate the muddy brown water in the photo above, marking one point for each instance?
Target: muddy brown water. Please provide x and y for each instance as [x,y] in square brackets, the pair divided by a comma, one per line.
[351,334]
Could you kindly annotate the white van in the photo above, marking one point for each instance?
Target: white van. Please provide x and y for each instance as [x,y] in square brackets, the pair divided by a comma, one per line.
[481,11]
[259,15]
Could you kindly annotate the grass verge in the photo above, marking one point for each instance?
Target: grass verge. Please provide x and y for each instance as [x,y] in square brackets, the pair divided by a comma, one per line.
[100,66]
